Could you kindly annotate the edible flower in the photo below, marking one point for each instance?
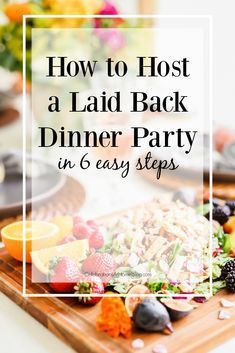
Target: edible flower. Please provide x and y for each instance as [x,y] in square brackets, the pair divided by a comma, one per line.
[113,318]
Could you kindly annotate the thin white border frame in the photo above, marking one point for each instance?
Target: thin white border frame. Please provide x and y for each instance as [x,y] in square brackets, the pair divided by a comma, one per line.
[210,62]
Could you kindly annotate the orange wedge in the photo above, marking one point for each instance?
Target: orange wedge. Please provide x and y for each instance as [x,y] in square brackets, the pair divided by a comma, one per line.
[229,227]
[38,235]
[76,250]
[232,235]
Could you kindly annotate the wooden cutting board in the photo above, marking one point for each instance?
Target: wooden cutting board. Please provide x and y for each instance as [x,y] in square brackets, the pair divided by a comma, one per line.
[75,324]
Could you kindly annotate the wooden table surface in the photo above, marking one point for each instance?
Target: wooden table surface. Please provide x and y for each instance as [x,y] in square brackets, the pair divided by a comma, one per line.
[75,324]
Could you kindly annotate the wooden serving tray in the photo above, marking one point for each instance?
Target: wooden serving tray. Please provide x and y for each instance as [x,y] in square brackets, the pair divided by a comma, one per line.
[75,324]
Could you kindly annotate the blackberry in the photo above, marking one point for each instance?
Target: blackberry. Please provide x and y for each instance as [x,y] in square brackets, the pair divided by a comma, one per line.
[228,268]
[226,210]
[216,202]
[230,281]
[221,214]
[231,205]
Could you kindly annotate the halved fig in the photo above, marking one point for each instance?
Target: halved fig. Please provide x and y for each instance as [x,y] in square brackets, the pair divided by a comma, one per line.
[177,308]
[134,297]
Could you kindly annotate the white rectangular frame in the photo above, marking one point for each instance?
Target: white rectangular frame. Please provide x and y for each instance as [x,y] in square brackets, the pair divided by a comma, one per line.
[25,17]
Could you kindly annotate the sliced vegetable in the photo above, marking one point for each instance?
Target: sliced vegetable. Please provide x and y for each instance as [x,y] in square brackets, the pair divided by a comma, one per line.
[224,240]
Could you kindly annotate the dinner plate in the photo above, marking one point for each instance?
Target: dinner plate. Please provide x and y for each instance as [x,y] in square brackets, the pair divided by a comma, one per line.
[44,186]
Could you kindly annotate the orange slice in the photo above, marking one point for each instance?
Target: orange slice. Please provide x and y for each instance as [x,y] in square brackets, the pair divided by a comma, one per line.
[76,250]
[38,235]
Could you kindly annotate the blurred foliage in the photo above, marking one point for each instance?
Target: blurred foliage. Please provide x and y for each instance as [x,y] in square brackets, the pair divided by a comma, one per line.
[11,33]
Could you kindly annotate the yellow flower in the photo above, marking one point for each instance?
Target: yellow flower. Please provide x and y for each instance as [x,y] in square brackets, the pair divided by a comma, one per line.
[93,6]
[74,7]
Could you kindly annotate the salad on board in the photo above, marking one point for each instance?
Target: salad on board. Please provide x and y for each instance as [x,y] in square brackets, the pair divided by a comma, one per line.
[170,241]
[161,248]
[163,244]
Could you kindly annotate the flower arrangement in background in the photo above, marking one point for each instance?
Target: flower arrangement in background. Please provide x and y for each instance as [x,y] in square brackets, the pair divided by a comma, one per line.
[11,54]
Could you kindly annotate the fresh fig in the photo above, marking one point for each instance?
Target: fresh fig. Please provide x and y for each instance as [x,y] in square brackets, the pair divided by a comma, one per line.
[177,308]
[151,315]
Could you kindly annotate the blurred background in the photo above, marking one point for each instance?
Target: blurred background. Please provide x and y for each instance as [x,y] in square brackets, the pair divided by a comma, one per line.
[223,50]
